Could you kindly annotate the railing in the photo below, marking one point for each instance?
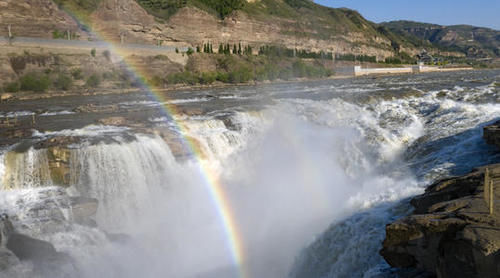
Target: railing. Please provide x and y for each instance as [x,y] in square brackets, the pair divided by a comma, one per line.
[489,192]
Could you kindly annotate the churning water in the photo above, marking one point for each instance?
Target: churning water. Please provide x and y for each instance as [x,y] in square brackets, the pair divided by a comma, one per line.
[312,176]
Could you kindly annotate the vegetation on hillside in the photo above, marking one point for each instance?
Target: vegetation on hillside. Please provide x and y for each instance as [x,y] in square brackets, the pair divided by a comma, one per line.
[235,69]
[165,8]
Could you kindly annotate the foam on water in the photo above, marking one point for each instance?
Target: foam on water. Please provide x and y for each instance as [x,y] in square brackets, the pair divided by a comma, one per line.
[57,113]
[88,131]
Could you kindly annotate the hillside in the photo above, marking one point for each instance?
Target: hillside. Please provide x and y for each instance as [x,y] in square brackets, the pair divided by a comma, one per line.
[299,24]
[475,42]
[292,24]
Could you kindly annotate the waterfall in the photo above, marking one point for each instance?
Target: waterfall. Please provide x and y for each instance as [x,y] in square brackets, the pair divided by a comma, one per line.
[310,182]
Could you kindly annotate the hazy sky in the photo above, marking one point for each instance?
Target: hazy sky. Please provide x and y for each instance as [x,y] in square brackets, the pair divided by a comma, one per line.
[446,12]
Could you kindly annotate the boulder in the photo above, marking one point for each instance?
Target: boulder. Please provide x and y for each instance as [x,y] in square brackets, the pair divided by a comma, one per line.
[27,248]
[7,259]
[46,260]
[84,210]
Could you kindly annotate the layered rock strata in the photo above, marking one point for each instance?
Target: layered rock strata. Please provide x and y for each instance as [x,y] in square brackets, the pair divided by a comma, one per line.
[451,233]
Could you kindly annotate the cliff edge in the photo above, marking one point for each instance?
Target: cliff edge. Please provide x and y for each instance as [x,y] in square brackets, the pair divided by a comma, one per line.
[451,232]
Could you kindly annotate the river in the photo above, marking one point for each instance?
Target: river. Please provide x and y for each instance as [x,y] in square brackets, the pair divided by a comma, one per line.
[285,180]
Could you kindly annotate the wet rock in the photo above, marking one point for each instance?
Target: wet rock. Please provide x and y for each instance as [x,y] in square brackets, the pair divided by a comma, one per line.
[491,134]
[5,96]
[119,238]
[57,141]
[47,261]
[118,121]
[7,259]
[451,233]
[181,148]
[59,165]
[84,210]
[92,108]
[27,248]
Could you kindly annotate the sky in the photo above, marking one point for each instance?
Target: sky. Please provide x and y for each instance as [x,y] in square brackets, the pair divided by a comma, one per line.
[484,13]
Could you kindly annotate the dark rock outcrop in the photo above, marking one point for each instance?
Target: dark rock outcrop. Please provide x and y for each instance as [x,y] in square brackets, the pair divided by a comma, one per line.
[450,233]
[84,210]
[491,134]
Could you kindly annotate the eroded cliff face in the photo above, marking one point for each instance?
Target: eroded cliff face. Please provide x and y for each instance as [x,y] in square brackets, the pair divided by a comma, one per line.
[35,18]
[193,26]
[450,233]
[126,20]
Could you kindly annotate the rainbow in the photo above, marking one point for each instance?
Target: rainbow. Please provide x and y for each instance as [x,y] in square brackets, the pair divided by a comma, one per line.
[210,176]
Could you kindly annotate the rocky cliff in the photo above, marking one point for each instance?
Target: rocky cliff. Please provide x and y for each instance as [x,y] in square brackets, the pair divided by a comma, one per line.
[36,18]
[475,42]
[310,27]
[451,232]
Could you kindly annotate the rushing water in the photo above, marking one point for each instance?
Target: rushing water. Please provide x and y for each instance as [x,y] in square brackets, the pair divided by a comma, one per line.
[313,172]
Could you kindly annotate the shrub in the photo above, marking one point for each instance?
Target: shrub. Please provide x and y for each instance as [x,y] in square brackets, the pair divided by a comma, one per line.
[184,77]
[77,74]
[285,74]
[107,75]
[392,60]
[12,87]
[63,82]
[300,69]
[241,75]
[208,77]
[222,77]
[92,52]
[176,50]
[189,51]
[93,81]
[156,81]
[107,55]
[56,34]
[34,82]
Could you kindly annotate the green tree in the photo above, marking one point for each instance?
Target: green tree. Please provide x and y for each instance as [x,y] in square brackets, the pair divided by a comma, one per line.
[235,51]
[92,52]
[239,48]
[221,49]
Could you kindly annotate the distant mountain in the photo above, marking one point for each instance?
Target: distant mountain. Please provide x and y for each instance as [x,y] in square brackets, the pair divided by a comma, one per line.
[475,42]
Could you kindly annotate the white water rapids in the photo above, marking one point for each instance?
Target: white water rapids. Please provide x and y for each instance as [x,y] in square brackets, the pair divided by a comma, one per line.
[311,183]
